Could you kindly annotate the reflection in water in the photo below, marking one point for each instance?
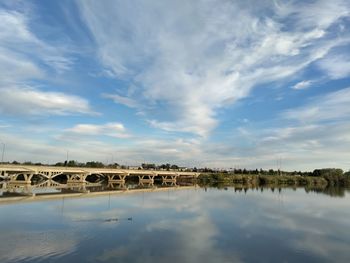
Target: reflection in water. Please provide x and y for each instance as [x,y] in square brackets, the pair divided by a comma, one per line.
[229,224]
[35,245]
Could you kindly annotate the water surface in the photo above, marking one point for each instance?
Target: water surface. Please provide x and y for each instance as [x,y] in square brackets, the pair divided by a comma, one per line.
[183,225]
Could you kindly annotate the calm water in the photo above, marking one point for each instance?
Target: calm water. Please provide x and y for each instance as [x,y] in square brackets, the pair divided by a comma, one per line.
[191,225]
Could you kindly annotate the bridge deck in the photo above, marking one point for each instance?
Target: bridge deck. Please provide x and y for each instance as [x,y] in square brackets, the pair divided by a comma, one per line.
[83,170]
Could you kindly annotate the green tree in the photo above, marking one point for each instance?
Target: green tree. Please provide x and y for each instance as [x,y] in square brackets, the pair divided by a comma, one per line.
[174,167]
[94,164]
[148,166]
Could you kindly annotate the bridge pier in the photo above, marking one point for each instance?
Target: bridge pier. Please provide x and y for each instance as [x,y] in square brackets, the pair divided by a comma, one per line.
[4,175]
[169,183]
[46,175]
[49,183]
[116,185]
[100,178]
[76,178]
[146,179]
[52,175]
[20,188]
[116,178]
[169,178]
[77,187]
[27,178]
[146,183]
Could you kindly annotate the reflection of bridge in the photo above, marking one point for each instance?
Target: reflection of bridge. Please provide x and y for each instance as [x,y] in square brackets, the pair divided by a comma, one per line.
[24,193]
[24,174]
[46,186]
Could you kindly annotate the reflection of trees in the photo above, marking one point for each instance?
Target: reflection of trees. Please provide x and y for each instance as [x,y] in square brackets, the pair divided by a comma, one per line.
[330,190]
[331,182]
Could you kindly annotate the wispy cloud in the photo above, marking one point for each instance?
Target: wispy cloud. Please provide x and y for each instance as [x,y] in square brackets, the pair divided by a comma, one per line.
[330,107]
[24,53]
[121,100]
[25,58]
[182,76]
[30,101]
[110,129]
[336,66]
[303,84]
[206,54]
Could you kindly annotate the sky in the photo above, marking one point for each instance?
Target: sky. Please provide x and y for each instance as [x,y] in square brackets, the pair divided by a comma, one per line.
[205,83]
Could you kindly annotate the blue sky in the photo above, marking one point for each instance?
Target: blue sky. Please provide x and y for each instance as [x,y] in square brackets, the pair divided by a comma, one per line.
[217,83]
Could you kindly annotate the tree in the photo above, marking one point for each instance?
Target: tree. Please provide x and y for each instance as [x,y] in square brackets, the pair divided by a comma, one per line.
[148,166]
[328,172]
[72,163]
[174,167]
[114,165]
[165,166]
[333,176]
[94,164]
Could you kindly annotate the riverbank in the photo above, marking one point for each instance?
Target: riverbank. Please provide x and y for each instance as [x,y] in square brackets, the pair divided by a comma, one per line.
[278,180]
[318,184]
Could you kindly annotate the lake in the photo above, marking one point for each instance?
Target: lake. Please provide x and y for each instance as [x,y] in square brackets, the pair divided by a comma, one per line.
[189,224]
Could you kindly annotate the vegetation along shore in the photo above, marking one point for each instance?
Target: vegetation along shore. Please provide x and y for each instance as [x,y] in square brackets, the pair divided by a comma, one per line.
[319,177]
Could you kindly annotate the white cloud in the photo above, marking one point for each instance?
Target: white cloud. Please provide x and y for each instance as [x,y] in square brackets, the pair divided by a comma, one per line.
[303,84]
[121,100]
[25,58]
[13,28]
[202,57]
[317,135]
[307,145]
[302,147]
[206,54]
[14,68]
[336,66]
[320,14]
[24,53]
[30,101]
[86,142]
[330,107]
[4,125]
[110,129]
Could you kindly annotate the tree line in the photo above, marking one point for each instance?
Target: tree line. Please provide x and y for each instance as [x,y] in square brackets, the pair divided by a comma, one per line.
[96,164]
[327,173]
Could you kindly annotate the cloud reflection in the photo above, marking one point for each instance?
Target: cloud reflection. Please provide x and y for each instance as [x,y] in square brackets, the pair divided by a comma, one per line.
[181,226]
[36,245]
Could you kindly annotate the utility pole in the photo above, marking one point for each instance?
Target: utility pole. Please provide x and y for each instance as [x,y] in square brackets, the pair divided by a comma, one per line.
[67,157]
[3,152]
[112,160]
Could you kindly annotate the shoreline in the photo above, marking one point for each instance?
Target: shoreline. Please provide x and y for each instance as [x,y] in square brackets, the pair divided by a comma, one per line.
[266,180]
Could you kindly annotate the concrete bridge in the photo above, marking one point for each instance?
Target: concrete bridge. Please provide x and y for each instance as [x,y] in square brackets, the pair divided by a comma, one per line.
[24,174]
